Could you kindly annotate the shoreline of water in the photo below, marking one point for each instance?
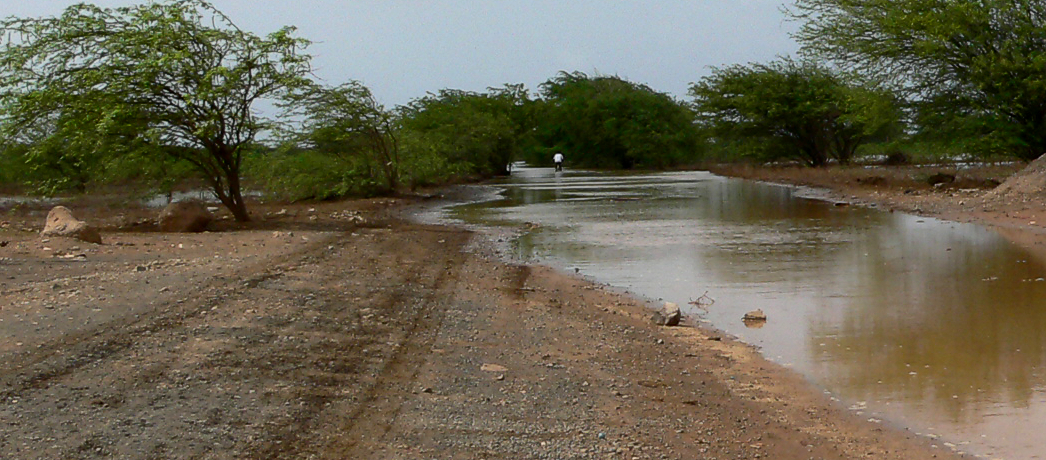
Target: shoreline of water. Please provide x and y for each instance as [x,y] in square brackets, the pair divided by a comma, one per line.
[753,243]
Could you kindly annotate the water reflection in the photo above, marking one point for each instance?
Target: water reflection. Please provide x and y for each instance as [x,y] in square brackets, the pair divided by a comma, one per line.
[936,325]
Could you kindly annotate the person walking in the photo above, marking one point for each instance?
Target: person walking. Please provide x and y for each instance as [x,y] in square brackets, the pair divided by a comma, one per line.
[558,160]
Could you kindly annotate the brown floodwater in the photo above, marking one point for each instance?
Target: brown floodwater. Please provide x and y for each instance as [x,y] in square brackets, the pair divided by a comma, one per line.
[933,325]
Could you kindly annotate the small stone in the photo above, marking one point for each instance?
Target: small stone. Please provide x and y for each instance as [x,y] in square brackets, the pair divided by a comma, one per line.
[493,368]
[755,315]
[669,315]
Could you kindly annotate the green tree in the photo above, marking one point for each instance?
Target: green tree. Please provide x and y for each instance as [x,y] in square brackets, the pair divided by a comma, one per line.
[347,124]
[51,164]
[787,109]
[174,78]
[973,66]
[466,132]
[79,146]
[13,168]
[609,122]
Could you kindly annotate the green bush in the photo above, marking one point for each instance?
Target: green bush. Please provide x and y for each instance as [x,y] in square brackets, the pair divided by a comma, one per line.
[13,168]
[609,122]
[310,175]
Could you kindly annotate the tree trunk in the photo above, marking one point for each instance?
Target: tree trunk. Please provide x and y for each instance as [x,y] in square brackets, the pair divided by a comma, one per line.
[235,202]
[228,192]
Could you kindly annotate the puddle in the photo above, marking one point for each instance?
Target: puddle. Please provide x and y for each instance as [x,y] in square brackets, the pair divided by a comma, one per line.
[24,200]
[153,201]
[161,200]
[935,325]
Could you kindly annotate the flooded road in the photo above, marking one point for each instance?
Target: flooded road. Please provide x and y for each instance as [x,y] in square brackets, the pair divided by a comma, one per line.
[937,326]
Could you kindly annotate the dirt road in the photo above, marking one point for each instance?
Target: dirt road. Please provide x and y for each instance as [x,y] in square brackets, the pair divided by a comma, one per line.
[324,338]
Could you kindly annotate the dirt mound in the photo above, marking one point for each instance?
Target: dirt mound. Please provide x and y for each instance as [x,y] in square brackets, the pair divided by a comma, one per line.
[190,216]
[1028,182]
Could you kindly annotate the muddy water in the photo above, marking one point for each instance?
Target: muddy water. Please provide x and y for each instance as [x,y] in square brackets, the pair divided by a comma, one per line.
[937,326]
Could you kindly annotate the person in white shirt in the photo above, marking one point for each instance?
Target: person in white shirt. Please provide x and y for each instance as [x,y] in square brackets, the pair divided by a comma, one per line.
[558,160]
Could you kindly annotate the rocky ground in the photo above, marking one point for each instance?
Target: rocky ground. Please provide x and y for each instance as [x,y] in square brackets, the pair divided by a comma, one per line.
[344,330]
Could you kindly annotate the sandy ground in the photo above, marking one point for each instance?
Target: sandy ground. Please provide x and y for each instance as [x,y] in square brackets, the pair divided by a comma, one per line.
[310,334]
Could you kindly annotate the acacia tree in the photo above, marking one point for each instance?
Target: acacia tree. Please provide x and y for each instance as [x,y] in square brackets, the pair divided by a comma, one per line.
[977,64]
[173,78]
[788,109]
[347,123]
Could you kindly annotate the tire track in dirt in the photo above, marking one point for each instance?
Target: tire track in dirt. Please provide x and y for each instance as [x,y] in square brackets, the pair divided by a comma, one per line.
[393,386]
[90,388]
[350,430]
[74,351]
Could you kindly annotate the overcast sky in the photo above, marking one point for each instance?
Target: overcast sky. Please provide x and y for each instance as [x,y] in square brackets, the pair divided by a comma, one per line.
[402,49]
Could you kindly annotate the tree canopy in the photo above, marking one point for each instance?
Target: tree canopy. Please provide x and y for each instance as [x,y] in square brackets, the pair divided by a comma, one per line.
[348,125]
[609,122]
[973,66]
[474,133]
[173,78]
[789,109]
